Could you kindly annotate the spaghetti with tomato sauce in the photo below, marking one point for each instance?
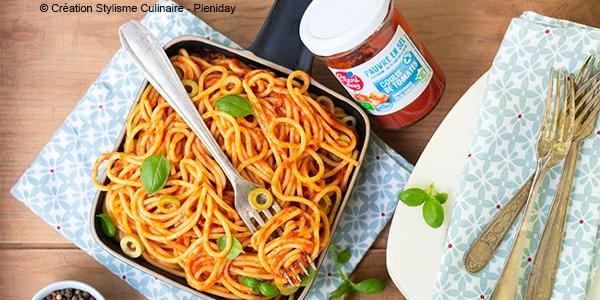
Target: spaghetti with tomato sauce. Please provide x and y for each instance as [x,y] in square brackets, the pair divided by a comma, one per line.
[299,146]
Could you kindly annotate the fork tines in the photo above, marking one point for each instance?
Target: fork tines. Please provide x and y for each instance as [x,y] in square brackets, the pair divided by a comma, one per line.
[588,94]
[295,278]
[561,94]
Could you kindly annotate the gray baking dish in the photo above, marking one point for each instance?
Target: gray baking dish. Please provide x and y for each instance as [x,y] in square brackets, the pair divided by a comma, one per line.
[195,44]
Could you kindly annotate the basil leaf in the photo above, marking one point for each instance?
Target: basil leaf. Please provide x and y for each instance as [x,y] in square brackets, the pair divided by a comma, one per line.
[442,197]
[433,212]
[154,173]
[413,196]
[306,280]
[107,225]
[234,105]
[344,256]
[370,286]
[268,290]
[234,251]
[344,288]
[249,281]
[256,289]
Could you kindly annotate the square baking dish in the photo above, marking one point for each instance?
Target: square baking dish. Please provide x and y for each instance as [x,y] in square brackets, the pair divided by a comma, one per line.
[195,44]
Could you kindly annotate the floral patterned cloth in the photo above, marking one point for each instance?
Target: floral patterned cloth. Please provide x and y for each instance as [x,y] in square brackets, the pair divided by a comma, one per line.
[58,188]
[502,156]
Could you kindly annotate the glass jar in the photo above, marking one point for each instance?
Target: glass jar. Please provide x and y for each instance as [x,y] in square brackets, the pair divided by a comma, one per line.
[371,50]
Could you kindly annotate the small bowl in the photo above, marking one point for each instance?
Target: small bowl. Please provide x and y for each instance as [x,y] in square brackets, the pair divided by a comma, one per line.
[65,284]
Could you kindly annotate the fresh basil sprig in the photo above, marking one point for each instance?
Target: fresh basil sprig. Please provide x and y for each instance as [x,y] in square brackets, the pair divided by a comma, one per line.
[107,225]
[433,211]
[442,197]
[236,246]
[344,288]
[154,173]
[370,286]
[367,286]
[234,105]
[259,286]
[413,196]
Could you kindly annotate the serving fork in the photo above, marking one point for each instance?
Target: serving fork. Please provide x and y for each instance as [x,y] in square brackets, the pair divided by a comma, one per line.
[150,58]
[554,140]
[482,249]
[542,274]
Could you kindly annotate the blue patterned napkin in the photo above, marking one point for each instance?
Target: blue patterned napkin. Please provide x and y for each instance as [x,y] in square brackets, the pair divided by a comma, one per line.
[503,156]
[57,186]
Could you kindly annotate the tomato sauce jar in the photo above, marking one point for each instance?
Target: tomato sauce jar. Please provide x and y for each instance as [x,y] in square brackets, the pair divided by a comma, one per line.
[371,50]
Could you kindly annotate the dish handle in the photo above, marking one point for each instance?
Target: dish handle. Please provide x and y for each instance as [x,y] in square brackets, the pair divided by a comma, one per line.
[279,39]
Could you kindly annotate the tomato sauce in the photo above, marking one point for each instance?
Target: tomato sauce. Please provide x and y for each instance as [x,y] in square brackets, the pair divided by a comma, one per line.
[390,74]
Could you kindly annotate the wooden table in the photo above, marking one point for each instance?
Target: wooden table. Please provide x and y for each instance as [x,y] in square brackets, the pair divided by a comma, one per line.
[48,60]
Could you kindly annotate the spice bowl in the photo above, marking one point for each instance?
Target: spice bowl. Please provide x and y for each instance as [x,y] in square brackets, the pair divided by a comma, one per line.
[69,287]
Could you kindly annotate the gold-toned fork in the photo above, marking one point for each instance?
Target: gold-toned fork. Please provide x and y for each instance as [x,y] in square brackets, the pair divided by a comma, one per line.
[587,97]
[484,246]
[555,137]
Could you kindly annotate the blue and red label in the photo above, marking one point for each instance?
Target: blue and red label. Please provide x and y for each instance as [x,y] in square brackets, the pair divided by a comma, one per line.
[389,81]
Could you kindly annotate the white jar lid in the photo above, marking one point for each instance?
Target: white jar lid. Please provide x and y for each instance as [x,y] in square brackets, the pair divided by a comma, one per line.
[333,26]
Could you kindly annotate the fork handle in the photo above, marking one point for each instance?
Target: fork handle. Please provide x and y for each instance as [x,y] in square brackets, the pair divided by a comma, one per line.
[508,283]
[543,271]
[151,59]
[486,243]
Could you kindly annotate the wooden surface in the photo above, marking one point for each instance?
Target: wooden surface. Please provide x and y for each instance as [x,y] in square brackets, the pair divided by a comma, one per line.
[48,60]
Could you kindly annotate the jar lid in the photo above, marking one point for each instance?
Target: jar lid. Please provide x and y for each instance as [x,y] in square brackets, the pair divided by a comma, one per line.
[329,27]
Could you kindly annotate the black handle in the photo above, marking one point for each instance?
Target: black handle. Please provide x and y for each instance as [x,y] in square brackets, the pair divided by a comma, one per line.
[279,39]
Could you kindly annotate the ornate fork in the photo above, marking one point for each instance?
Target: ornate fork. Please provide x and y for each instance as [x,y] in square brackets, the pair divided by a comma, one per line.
[543,271]
[151,59]
[482,249]
[554,141]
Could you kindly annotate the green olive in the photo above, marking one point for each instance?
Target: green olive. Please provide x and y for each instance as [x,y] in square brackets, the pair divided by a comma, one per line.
[249,281]
[268,290]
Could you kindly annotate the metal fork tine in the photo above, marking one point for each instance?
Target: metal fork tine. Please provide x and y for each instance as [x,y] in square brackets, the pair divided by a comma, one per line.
[257,217]
[287,277]
[585,68]
[593,108]
[572,111]
[548,101]
[276,207]
[564,117]
[310,261]
[594,64]
[249,224]
[589,100]
[303,268]
[590,83]
[593,115]
[267,213]
[556,100]
[296,275]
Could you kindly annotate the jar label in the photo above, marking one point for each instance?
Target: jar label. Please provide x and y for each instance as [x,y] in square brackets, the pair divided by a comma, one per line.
[390,80]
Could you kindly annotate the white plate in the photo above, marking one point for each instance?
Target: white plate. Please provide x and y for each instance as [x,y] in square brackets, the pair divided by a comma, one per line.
[414,250]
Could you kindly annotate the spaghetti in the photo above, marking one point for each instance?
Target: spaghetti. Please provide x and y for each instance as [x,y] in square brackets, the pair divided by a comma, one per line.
[300,147]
